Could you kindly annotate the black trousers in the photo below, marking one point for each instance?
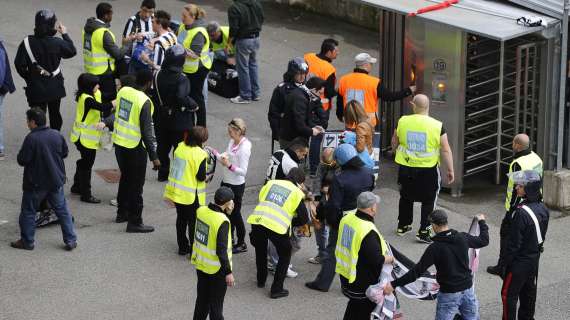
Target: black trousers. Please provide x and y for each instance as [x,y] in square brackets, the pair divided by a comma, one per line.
[132,163]
[504,238]
[167,140]
[359,309]
[82,177]
[235,218]
[210,296]
[259,236]
[196,92]
[108,87]
[520,285]
[51,108]
[417,185]
[185,224]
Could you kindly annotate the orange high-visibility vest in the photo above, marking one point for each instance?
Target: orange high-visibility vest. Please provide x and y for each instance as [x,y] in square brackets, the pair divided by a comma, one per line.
[320,68]
[362,88]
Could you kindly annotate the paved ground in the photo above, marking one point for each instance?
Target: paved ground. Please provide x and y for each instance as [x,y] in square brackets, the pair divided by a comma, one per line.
[114,275]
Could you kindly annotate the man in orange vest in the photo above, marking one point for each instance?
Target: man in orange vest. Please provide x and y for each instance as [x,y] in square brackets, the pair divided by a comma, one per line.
[320,65]
[366,89]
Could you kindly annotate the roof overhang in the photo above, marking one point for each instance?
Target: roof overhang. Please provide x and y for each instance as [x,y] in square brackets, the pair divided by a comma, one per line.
[491,19]
[553,8]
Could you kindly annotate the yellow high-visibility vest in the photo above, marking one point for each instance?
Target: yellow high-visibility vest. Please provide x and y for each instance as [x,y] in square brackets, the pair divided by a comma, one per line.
[182,186]
[278,201]
[95,59]
[529,162]
[185,37]
[204,256]
[127,132]
[225,39]
[86,132]
[351,231]
[420,139]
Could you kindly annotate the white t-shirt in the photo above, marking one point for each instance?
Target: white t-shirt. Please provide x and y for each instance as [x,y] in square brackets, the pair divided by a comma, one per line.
[239,158]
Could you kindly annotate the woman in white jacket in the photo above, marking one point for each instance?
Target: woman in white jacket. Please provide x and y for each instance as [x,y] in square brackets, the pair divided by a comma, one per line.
[235,161]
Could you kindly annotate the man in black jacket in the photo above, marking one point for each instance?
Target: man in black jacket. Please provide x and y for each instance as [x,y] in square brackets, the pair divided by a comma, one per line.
[371,257]
[175,107]
[449,254]
[42,155]
[245,18]
[524,246]
[38,62]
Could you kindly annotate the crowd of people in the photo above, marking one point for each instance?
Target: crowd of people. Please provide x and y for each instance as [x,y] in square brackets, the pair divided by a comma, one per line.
[148,93]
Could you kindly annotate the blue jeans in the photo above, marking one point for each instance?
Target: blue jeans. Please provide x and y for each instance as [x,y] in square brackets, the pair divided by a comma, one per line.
[463,302]
[1,124]
[246,63]
[30,205]
[315,152]
[321,238]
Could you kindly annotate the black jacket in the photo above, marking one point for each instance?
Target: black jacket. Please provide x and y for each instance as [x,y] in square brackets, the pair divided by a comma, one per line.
[109,44]
[449,254]
[174,89]
[42,155]
[522,245]
[319,116]
[277,107]
[297,118]
[347,185]
[222,244]
[48,52]
[369,265]
[245,18]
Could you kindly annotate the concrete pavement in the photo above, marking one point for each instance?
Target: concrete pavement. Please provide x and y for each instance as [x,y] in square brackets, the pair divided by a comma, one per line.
[114,275]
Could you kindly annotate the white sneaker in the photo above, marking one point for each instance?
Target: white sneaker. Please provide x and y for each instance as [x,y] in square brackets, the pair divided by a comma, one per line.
[113,202]
[315,260]
[240,100]
[291,273]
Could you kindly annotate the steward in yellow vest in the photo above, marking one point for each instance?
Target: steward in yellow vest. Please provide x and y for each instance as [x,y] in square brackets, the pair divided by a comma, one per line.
[360,254]
[212,255]
[524,159]
[86,132]
[100,52]
[133,137]
[280,205]
[220,41]
[186,187]
[420,141]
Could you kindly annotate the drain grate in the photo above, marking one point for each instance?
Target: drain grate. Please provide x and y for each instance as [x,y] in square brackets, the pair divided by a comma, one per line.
[109,175]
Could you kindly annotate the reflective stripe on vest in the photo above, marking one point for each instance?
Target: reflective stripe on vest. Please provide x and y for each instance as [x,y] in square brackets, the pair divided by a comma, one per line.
[183,186]
[419,139]
[225,38]
[363,88]
[86,132]
[127,132]
[204,256]
[185,37]
[278,201]
[528,162]
[95,59]
[322,69]
[352,230]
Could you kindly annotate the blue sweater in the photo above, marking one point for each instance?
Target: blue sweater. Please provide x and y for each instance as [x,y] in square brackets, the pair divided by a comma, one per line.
[42,155]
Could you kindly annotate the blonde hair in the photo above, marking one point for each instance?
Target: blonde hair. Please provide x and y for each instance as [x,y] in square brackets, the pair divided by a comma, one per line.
[354,113]
[195,11]
[238,124]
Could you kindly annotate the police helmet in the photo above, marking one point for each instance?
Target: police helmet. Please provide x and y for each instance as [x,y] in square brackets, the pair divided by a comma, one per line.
[531,181]
[297,65]
[175,56]
[344,153]
[45,20]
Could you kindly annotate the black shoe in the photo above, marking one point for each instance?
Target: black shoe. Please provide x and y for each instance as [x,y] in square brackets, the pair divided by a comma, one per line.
[423,236]
[19,244]
[495,270]
[313,286]
[90,199]
[139,228]
[75,190]
[281,294]
[121,219]
[261,285]
[162,177]
[240,248]
[70,246]
[184,252]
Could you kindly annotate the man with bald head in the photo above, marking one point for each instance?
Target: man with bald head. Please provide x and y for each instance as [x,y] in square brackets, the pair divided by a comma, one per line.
[523,159]
[420,142]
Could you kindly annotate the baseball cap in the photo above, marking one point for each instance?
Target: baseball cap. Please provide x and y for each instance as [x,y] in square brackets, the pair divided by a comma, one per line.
[524,177]
[438,217]
[367,200]
[223,195]
[364,58]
